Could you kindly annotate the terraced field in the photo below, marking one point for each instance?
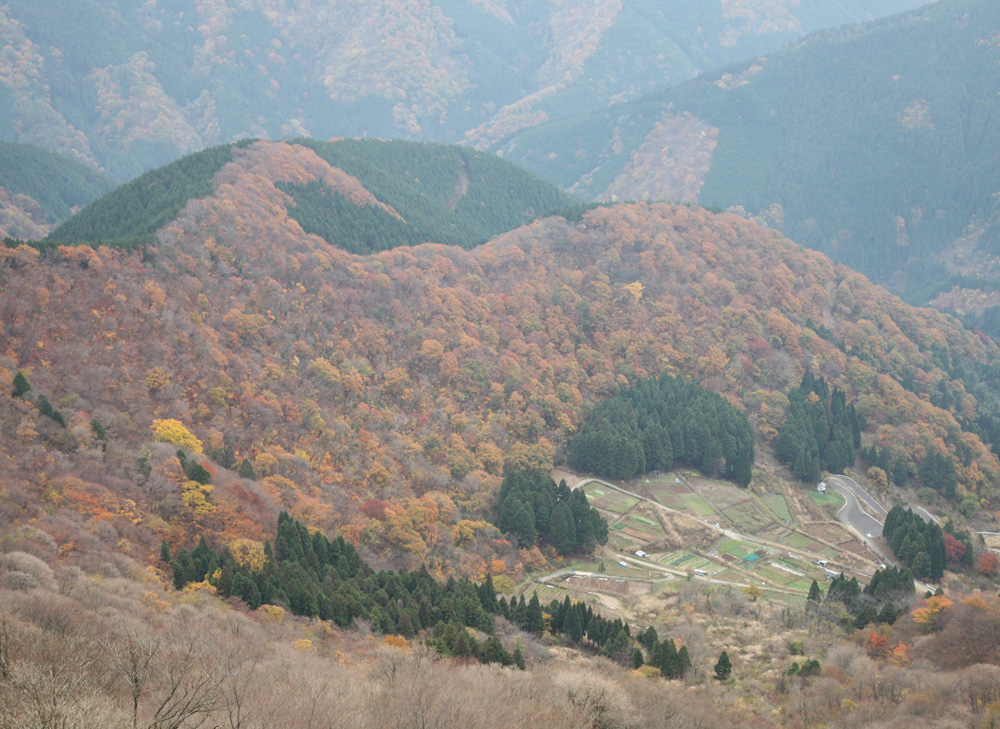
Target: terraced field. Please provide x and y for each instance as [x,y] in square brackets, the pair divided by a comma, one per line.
[729,559]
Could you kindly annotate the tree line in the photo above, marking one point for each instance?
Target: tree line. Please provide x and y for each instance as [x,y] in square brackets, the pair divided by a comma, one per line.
[661,423]
[317,577]
[131,214]
[917,543]
[821,431]
[531,507]
[880,601]
[610,638]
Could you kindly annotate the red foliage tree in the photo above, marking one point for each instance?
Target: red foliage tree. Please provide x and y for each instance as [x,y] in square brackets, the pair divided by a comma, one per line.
[953,548]
[988,564]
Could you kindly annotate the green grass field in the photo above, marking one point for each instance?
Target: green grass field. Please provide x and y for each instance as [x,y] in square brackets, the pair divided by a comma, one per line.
[796,540]
[623,504]
[733,546]
[827,498]
[777,504]
[683,560]
[697,505]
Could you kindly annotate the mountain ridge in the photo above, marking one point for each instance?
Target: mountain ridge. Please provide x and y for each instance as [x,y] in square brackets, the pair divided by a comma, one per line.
[344,378]
[156,81]
[872,143]
[449,195]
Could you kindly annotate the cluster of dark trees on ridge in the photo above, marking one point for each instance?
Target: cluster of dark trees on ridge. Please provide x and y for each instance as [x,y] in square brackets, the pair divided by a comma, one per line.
[531,507]
[661,423]
[820,432]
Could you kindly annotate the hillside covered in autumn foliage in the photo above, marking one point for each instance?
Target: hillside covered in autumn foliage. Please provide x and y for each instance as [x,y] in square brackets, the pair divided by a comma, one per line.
[381,397]
[129,85]
[873,143]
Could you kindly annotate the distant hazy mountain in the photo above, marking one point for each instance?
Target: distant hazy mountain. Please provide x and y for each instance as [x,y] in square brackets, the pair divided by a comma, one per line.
[39,189]
[878,144]
[128,85]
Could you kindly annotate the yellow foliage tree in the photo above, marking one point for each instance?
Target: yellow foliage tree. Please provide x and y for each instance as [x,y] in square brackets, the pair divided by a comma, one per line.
[274,613]
[465,531]
[157,378]
[928,615]
[248,553]
[396,641]
[634,291]
[196,496]
[173,431]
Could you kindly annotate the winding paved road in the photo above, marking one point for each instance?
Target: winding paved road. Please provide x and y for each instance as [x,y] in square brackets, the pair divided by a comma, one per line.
[852,513]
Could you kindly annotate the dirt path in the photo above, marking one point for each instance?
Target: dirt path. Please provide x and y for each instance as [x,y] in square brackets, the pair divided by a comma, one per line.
[571,478]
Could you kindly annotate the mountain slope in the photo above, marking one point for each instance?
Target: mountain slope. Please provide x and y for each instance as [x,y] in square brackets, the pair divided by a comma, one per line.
[363,196]
[876,144]
[39,189]
[129,85]
[383,395]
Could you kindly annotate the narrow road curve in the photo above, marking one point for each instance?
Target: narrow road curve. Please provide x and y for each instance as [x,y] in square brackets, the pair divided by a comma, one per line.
[851,513]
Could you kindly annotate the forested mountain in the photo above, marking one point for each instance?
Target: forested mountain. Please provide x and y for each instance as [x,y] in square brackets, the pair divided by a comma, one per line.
[204,366]
[874,143]
[39,189]
[128,85]
[363,196]
[384,395]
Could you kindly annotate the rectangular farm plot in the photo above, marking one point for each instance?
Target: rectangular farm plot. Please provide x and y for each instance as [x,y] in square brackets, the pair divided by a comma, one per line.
[782,575]
[613,569]
[721,494]
[664,495]
[694,504]
[777,504]
[622,503]
[686,561]
[608,499]
[748,517]
[669,492]
[546,593]
[729,576]
[797,541]
[610,585]
[733,547]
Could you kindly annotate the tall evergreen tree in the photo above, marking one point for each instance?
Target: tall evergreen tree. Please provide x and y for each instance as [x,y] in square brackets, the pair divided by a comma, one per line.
[573,625]
[723,667]
[534,620]
[637,659]
[524,526]
[815,593]
[21,385]
[246,470]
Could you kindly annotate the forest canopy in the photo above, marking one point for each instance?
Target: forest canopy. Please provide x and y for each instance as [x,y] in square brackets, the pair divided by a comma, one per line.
[663,422]
[821,431]
[531,507]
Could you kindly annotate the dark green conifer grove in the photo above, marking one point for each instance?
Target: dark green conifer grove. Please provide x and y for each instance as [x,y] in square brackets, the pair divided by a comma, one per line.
[660,423]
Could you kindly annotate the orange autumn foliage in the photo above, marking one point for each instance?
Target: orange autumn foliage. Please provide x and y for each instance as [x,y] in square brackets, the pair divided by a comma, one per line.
[460,363]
